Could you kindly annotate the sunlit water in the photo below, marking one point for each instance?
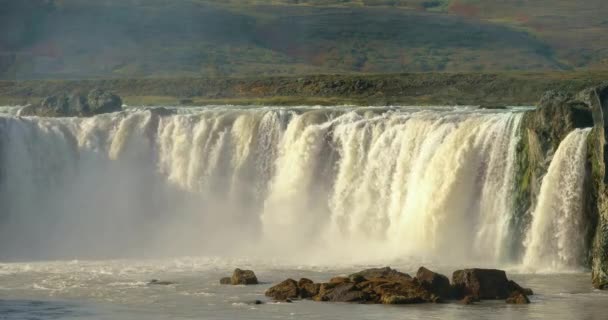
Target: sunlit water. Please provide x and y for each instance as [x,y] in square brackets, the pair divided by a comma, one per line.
[119,290]
[310,192]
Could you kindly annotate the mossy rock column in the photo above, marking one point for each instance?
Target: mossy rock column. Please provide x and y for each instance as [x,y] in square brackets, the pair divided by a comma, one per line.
[597,205]
[542,130]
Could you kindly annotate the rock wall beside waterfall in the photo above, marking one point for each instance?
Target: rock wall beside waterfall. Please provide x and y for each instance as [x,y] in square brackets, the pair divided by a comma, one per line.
[542,131]
[597,99]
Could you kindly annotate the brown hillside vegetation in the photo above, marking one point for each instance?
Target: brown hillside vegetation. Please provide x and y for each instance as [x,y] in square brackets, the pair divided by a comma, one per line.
[212,38]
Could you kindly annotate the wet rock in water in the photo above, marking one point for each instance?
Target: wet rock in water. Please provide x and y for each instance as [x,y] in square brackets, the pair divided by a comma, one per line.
[384,273]
[437,283]
[401,292]
[389,286]
[469,300]
[156,282]
[308,288]
[339,280]
[518,298]
[245,277]
[283,291]
[324,289]
[481,283]
[344,292]
[514,287]
[258,302]
[384,285]
[226,280]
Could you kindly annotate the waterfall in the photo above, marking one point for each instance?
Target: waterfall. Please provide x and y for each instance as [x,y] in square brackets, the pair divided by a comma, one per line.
[556,239]
[385,183]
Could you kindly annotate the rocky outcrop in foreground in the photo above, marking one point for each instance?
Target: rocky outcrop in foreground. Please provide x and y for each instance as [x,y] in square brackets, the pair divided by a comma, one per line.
[243,277]
[75,105]
[389,286]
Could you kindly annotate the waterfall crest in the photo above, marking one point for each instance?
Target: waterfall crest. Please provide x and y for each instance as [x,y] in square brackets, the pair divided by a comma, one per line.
[386,182]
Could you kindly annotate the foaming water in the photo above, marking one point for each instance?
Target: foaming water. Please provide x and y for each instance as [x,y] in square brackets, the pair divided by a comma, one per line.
[118,289]
[556,239]
[387,183]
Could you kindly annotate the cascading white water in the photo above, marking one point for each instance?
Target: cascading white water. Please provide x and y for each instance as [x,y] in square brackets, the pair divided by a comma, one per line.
[556,239]
[380,182]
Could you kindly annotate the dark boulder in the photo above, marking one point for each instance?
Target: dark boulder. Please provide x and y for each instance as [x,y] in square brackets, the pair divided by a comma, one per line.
[162,111]
[388,286]
[285,290]
[378,285]
[344,292]
[308,288]
[185,101]
[518,298]
[481,283]
[75,105]
[101,101]
[324,290]
[52,106]
[384,273]
[514,287]
[245,277]
[469,300]
[437,283]
[226,280]
[403,292]
[339,280]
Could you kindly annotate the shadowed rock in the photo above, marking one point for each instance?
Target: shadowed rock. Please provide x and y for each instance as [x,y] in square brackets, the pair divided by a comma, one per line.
[469,300]
[101,101]
[308,288]
[437,283]
[389,286]
[385,273]
[344,292]
[518,298]
[75,105]
[285,290]
[514,287]
[245,277]
[481,283]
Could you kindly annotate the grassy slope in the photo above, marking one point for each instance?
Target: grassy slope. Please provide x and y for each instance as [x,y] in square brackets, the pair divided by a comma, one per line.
[381,89]
[213,38]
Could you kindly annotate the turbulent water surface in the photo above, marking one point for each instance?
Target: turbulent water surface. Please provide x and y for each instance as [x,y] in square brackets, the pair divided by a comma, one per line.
[325,189]
[118,290]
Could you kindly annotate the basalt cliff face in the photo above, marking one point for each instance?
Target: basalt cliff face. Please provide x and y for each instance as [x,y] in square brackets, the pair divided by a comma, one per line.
[542,132]
[597,207]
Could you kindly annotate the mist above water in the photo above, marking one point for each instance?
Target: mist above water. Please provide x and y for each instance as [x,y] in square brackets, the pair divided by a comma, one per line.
[334,184]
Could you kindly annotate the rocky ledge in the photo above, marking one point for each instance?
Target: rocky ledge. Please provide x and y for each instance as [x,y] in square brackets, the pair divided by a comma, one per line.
[389,286]
[240,277]
[75,105]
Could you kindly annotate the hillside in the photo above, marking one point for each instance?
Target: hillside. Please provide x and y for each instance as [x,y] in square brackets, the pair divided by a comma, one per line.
[487,89]
[71,39]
